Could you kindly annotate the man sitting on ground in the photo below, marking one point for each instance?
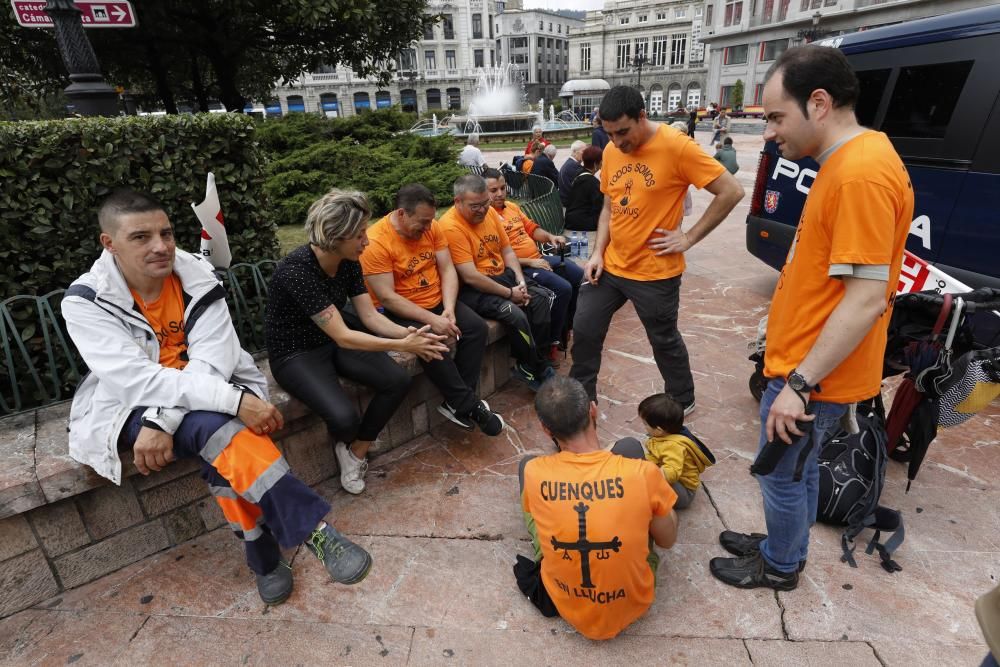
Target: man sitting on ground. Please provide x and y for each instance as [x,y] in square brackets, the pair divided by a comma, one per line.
[409,271]
[554,272]
[168,379]
[591,514]
[494,285]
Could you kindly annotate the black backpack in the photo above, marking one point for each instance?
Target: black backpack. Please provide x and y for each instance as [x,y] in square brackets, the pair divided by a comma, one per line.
[851,477]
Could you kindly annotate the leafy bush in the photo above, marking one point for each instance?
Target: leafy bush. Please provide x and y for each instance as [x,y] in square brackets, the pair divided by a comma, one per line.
[368,152]
[56,172]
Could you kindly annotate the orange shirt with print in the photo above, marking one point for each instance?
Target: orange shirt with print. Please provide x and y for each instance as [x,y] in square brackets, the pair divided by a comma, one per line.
[647,188]
[411,262]
[519,228]
[166,316]
[618,497]
[858,211]
[482,243]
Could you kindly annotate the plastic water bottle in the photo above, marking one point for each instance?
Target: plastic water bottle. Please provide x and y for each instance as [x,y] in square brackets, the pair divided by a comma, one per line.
[574,245]
[584,242]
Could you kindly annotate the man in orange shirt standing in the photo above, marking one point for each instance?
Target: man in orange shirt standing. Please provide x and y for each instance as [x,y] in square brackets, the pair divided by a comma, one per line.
[638,254]
[592,515]
[827,325]
[493,283]
[409,273]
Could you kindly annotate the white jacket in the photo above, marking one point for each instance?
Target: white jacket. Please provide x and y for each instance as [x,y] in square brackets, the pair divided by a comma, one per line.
[120,349]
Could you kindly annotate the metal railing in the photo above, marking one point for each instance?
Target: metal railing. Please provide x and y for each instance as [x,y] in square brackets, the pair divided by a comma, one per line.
[41,366]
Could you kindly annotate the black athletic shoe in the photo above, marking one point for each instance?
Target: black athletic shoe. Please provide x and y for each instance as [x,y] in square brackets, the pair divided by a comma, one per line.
[276,586]
[488,422]
[752,572]
[450,414]
[741,544]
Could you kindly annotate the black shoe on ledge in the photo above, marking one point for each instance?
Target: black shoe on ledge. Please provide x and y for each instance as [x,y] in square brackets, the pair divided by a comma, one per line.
[742,544]
[752,572]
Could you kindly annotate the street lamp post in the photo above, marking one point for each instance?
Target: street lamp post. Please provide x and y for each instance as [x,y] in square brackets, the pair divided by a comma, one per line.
[814,32]
[87,90]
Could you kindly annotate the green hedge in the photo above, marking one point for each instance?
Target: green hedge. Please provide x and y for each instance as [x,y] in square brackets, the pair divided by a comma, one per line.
[369,152]
[56,172]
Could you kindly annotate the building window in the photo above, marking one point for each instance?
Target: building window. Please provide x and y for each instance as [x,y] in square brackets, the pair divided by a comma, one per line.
[518,42]
[541,42]
[678,49]
[559,28]
[643,18]
[624,53]
[642,49]
[735,55]
[454,98]
[328,105]
[559,44]
[449,26]
[541,25]
[550,27]
[623,20]
[783,10]
[295,104]
[680,13]
[539,76]
[734,12]
[519,58]
[659,51]
[661,16]
[758,94]
[407,60]
[477,58]
[708,14]
[697,12]
[362,102]
[724,96]
[674,97]
[429,31]
[772,49]
[585,56]
[383,100]
[493,58]
[490,22]
[433,98]
[407,99]
[548,43]
[430,60]
[557,59]
[768,13]
[477,26]
[538,59]
[449,59]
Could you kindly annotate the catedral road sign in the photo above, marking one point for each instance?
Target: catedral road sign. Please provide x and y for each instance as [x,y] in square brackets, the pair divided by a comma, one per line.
[96,13]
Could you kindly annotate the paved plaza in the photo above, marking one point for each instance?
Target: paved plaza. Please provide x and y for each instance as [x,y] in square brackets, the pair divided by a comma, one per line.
[442,520]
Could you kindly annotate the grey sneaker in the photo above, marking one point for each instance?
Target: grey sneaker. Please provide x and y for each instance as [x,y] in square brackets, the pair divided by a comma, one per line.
[689,408]
[276,586]
[352,469]
[450,415]
[345,561]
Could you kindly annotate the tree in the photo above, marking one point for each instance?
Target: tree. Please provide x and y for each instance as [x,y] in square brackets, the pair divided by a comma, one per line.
[236,50]
[736,95]
[31,72]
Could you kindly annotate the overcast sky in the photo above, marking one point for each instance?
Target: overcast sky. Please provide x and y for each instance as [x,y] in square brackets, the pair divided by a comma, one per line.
[563,4]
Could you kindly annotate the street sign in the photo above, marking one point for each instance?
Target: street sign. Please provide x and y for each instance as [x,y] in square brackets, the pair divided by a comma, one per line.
[96,13]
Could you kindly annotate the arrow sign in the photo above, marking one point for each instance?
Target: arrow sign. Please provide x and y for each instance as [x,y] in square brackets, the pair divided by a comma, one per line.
[95,13]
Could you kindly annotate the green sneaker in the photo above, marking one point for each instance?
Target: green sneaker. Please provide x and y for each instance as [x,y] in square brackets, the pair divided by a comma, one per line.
[345,561]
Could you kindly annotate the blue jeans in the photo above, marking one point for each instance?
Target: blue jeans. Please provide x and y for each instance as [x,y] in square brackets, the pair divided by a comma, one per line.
[564,280]
[790,506]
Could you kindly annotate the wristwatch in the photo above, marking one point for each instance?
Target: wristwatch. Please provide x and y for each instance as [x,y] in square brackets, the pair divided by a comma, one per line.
[798,383]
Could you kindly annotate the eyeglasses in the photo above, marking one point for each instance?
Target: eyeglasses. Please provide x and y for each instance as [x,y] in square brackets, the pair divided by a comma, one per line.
[478,206]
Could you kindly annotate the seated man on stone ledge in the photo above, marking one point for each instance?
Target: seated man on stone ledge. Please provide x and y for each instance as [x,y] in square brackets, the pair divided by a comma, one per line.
[168,379]
[592,514]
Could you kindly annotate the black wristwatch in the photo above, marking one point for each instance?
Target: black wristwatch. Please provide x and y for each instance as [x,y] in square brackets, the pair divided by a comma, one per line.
[149,423]
[798,383]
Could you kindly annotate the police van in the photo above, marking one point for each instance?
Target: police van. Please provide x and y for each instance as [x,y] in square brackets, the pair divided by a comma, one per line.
[933,86]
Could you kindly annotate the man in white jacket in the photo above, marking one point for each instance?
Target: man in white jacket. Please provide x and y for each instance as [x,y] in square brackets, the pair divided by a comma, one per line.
[168,379]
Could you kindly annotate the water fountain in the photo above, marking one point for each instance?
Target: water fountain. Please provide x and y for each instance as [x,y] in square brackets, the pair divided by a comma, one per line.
[497,107]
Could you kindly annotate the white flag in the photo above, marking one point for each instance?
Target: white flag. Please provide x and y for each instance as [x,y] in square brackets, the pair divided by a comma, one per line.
[214,241]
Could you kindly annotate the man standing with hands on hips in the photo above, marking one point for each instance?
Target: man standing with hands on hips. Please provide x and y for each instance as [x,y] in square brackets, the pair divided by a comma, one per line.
[638,253]
[827,325]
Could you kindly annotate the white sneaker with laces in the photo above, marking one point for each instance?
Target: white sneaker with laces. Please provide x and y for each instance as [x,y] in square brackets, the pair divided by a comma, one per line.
[352,469]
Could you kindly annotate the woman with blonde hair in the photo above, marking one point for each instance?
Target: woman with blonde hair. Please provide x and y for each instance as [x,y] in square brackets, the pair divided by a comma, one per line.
[313,339]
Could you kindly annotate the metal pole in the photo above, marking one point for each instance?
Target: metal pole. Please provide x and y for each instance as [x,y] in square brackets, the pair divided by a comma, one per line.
[87,90]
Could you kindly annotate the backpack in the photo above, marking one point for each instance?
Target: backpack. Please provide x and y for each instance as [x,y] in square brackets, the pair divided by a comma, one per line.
[518,159]
[851,477]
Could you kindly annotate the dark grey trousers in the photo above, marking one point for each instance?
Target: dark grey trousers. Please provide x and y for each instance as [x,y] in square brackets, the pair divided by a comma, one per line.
[656,303]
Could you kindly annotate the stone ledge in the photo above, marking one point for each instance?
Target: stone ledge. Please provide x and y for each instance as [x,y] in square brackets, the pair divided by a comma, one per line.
[62,525]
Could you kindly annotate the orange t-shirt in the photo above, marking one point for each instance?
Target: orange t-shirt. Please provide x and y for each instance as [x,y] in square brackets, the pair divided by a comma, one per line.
[482,243]
[519,228]
[647,188]
[858,211]
[166,315]
[608,500]
[526,165]
[412,263]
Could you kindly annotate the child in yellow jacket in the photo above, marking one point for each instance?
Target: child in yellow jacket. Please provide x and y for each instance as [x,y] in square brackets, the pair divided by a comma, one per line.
[680,455]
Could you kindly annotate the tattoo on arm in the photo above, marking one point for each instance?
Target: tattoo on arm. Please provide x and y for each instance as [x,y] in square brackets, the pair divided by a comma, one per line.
[323,317]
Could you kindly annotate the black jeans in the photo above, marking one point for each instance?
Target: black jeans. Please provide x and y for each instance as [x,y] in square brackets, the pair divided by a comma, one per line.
[313,377]
[527,324]
[656,303]
[458,378]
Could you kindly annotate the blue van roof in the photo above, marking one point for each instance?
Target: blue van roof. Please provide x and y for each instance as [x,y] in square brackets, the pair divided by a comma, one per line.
[957,25]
